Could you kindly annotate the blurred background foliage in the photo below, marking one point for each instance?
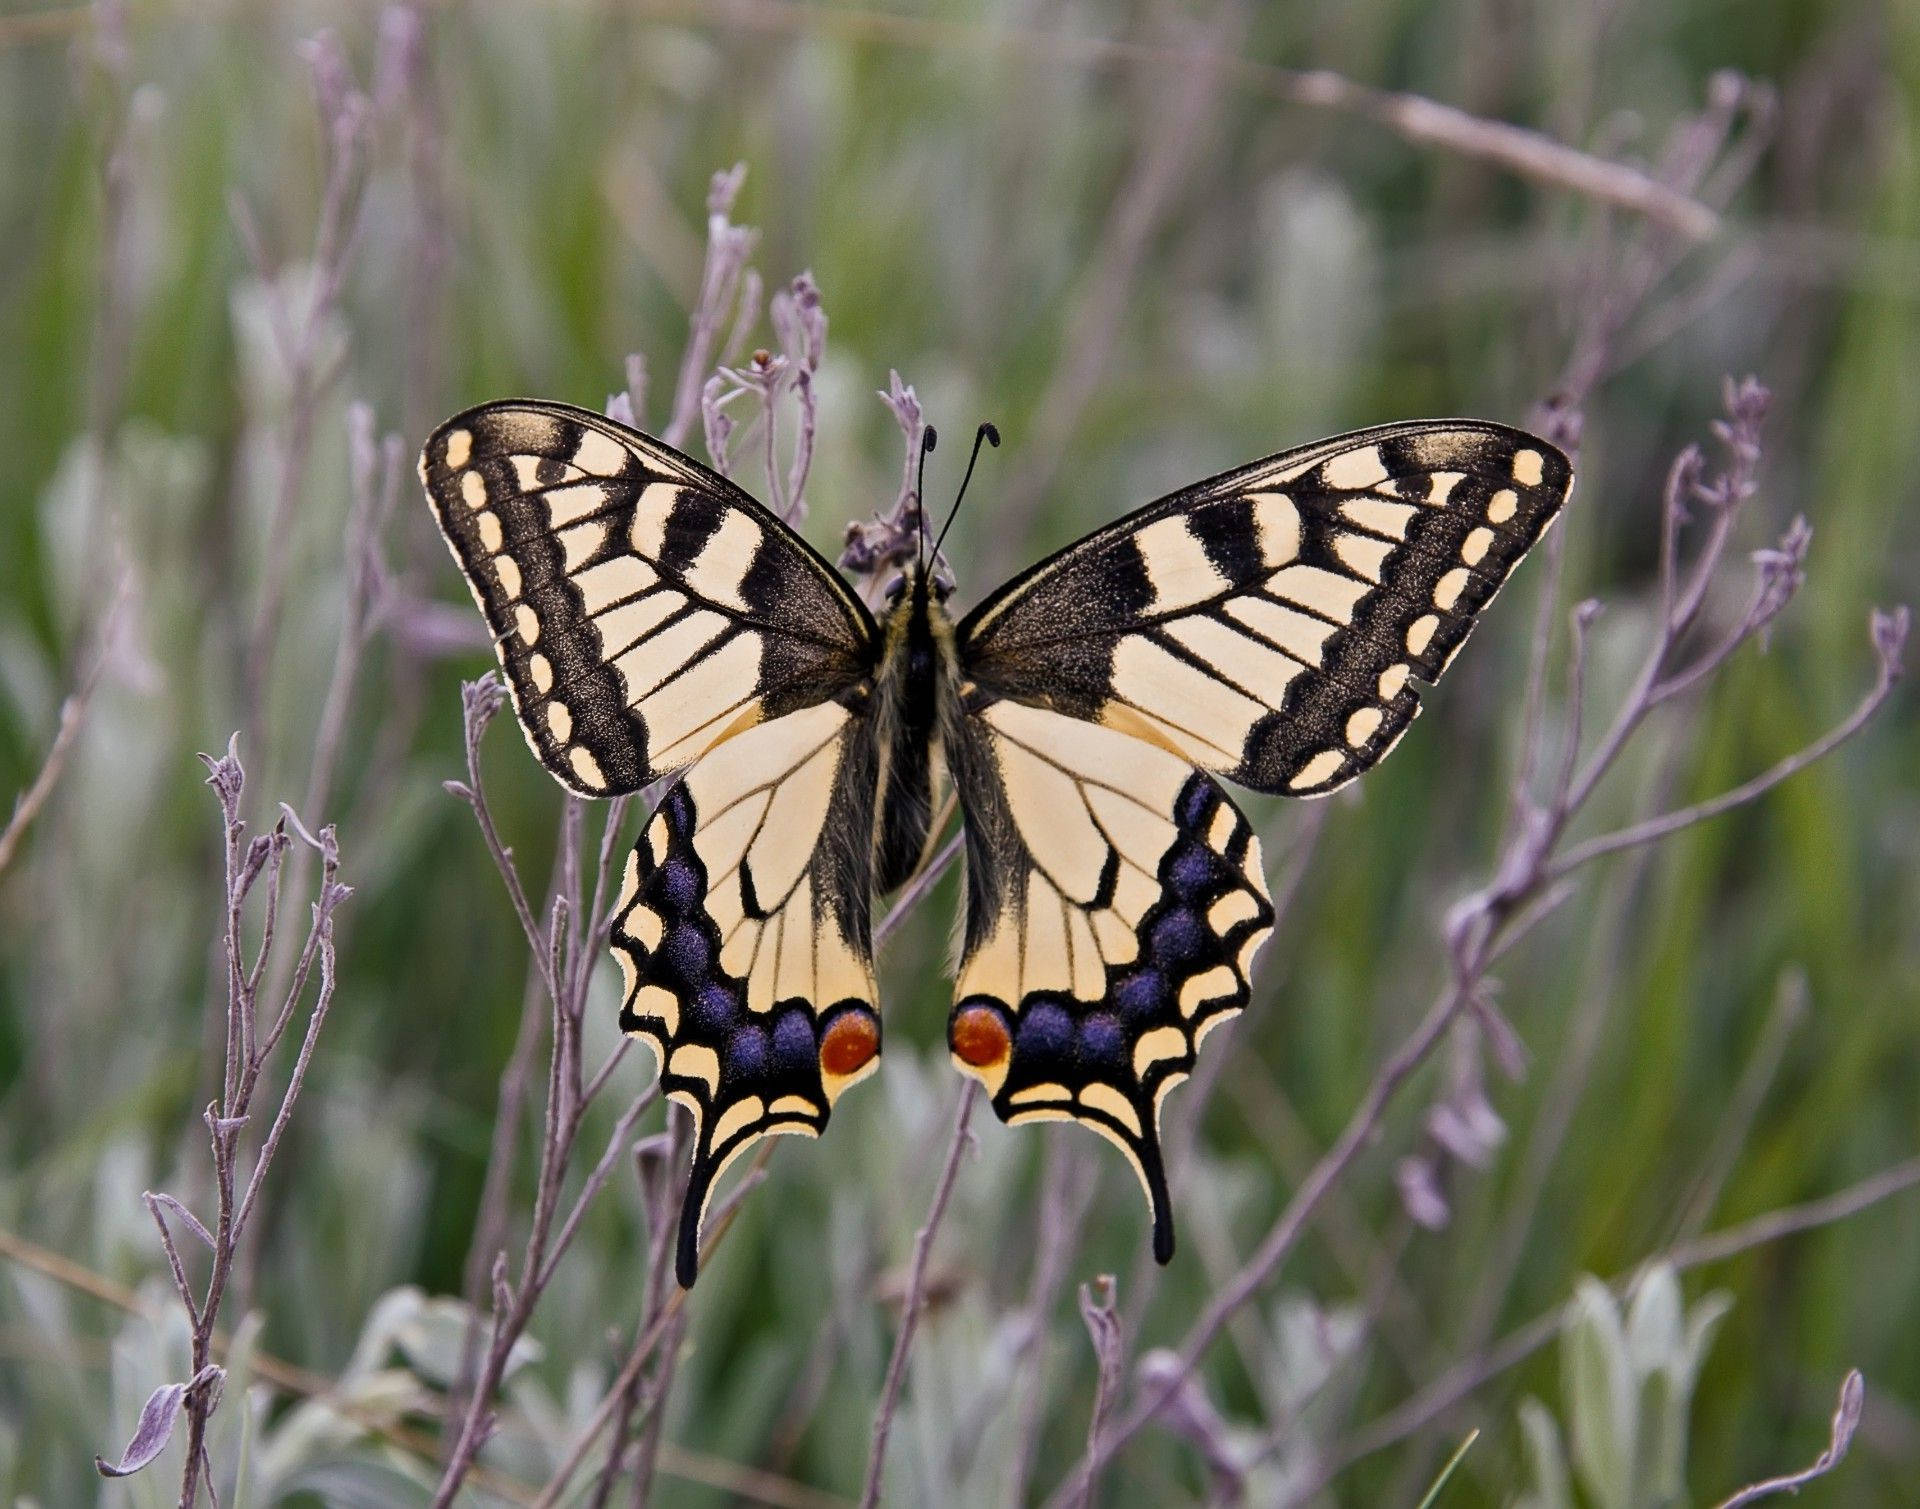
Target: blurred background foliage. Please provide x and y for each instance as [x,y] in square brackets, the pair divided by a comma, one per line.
[1142,279]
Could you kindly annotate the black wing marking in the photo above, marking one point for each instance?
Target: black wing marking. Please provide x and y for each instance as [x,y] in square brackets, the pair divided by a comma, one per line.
[1115,901]
[642,606]
[1265,624]
[743,933]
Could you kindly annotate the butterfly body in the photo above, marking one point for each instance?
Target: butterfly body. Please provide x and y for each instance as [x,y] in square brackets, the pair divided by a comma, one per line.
[913,702]
[1263,627]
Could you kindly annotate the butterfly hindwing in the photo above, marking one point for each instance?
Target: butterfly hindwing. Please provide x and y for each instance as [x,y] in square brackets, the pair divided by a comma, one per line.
[642,606]
[743,933]
[1115,901]
[1267,624]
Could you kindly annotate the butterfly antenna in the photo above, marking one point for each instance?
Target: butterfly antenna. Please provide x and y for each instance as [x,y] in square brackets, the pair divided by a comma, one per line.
[927,442]
[986,432]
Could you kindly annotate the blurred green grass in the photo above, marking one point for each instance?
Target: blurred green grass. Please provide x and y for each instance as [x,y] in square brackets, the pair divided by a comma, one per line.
[534,215]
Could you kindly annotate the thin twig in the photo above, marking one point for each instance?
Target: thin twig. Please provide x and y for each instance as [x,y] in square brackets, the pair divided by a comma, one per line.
[1667,824]
[1846,1420]
[915,1297]
[376,1418]
[597,1177]
[73,713]
[1433,1401]
[562,1475]
[915,890]
[1105,1331]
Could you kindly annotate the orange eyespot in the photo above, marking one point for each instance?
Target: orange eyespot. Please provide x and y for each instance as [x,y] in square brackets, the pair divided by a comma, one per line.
[850,1043]
[979,1037]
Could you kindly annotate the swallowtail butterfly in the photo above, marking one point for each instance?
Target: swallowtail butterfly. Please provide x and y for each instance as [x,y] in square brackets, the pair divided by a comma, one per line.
[1265,627]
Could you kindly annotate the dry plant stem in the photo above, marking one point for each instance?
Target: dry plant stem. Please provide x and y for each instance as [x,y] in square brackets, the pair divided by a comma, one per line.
[727,249]
[1699,169]
[915,890]
[481,701]
[298,1382]
[1482,925]
[1846,1420]
[721,1223]
[73,713]
[915,1297]
[1067,1189]
[562,952]
[1568,1082]
[656,1159]
[376,473]
[647,1449]
[1105,1331]
[1369,1263]
[490,1219]
[248,1049]
[1669,823]
[1529,154]
[1446,1391]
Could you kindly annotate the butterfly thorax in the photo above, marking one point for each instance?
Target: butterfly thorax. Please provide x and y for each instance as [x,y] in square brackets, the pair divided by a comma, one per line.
[916,673]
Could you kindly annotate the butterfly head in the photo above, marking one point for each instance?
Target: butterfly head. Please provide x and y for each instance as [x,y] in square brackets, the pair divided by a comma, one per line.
[929,579]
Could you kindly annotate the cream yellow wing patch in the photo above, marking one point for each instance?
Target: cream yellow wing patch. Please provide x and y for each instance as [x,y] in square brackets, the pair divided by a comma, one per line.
[1265,625]
[642,607]
[1115,902]
[743,934]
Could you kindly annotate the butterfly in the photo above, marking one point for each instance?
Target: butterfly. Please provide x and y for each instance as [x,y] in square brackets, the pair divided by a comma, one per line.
[1265,627]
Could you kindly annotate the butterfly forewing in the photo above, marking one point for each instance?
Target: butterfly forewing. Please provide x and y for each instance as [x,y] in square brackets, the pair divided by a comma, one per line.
[1115,901]
[743,935]
[1266,624]
[642,606]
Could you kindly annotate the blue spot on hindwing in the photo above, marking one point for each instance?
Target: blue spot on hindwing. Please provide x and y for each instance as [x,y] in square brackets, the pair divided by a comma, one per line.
[795,1051]
[1193,872]
[1141,996]
[1196,801]
[1103,1045]
[679,884]
[712,1011]
[1177,938]
[749,1053]
[1044,1038]
[687,954]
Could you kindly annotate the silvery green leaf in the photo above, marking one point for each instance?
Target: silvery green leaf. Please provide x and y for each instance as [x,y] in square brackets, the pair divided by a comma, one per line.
[1667,1403]
[1312,1342]
[237,1422]
[1662,1464]
[1546,1459]
[150,1436]
[390,1312]
[433,1336]
[315,1431]
[1654,1320]
[361,1484]
[1703,1320]
[1600,1395]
